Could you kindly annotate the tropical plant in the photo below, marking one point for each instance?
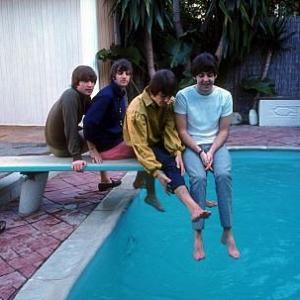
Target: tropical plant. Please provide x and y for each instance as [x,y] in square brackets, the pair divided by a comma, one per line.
[254,84]
[142,16]
[238,19]
[272,35]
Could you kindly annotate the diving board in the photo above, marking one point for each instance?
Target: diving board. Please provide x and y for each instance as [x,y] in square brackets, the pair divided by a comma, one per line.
[36,170]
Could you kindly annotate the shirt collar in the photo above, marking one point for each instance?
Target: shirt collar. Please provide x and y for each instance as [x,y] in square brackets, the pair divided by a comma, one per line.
[82,96]
[147,98]
[117,90]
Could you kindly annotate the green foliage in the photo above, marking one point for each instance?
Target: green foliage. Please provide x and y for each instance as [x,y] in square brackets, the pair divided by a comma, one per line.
[143,13]
[254,84]
[240,19]
[186,80]
[133,54]
[177,50]
[272,34]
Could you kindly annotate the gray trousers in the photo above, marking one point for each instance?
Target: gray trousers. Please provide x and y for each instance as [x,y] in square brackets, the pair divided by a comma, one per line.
[198,182]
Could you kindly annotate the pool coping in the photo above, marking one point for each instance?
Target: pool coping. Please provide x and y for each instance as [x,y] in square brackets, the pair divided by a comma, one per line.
[57,275]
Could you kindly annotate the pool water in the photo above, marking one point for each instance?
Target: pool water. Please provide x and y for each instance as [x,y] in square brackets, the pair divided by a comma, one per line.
[149,254]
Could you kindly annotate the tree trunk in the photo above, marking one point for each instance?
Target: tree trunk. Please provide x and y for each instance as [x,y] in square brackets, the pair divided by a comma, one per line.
[264,75]
[176,18]
[267,64]
[219,51]
[149,53]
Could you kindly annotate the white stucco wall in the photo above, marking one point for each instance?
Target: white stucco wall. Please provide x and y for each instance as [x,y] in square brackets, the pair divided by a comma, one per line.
[41,43]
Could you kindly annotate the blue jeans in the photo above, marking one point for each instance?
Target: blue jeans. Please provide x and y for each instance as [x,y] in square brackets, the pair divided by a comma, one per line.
[198,182]
[168,167]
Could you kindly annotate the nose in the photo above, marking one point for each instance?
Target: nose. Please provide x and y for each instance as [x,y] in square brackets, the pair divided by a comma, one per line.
[90,83]
[205,77]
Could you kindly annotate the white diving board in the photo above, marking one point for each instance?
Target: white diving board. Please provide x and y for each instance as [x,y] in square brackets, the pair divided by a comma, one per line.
[38,167]
[47,163]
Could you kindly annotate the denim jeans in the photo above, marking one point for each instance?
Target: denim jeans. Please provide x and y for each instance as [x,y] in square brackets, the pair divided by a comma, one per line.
[169,167]
[198,182]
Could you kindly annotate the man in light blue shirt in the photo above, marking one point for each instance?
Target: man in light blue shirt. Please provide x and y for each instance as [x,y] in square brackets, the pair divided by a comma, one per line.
[203,117]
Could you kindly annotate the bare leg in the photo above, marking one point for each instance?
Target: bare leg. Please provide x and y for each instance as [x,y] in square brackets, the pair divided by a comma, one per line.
[139,181]
[198,246]
[145,180]
[195,210]
[228,240]
[104,177]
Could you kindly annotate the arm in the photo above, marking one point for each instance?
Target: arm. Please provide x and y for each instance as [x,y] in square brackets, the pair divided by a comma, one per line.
[94,154]
[222,135]
[220,139]
[136,135]
[73,139]
[94,117]
[171,139]
[181,124]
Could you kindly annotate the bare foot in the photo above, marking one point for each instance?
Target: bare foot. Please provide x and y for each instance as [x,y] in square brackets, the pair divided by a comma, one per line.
[210,203]
[199,213]
[228,240]
[199,253]
[153,201]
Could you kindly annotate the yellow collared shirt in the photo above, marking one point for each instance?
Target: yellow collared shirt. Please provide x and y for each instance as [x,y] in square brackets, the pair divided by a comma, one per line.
[146,125]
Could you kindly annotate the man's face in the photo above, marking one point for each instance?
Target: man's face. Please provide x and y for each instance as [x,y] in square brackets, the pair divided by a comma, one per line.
[122,78]
[205,82]
[85,87]
[161,100]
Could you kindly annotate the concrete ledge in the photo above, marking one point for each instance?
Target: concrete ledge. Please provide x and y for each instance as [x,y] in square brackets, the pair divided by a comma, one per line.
[279,112]
[56,277]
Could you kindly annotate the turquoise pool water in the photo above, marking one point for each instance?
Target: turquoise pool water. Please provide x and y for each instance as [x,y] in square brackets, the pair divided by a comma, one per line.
[149,254]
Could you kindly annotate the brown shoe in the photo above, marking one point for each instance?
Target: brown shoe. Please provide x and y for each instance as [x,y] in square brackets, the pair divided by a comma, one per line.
[103,186]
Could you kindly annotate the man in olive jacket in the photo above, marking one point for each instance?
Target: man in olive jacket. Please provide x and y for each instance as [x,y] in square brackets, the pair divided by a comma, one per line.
[62,129]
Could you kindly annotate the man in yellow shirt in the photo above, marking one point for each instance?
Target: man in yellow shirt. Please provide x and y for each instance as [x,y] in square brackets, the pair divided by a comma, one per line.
[149,128]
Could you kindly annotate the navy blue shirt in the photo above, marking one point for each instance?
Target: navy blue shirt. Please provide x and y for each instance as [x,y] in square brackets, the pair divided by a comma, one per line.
[103,122]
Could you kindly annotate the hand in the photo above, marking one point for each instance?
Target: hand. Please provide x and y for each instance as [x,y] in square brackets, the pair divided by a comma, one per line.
[78,165]
[163,178]
[95,156]
[210,159]
[206,160]
[179,163]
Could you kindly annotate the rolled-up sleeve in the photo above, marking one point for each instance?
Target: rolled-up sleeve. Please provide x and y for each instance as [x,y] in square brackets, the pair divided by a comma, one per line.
[172,141]
[74,141]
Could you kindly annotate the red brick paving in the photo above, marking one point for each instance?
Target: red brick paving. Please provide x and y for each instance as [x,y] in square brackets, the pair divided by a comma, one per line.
[69,198]
[28,241]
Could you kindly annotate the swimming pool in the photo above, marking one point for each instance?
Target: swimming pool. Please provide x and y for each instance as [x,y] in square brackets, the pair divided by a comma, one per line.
[149,254]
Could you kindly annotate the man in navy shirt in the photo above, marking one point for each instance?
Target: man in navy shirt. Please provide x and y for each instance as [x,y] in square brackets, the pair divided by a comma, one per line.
[103,123]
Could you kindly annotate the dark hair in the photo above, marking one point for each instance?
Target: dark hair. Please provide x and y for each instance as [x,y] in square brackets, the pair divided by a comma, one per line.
[163,81]
[120,65]
[83,73]
[204,62]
